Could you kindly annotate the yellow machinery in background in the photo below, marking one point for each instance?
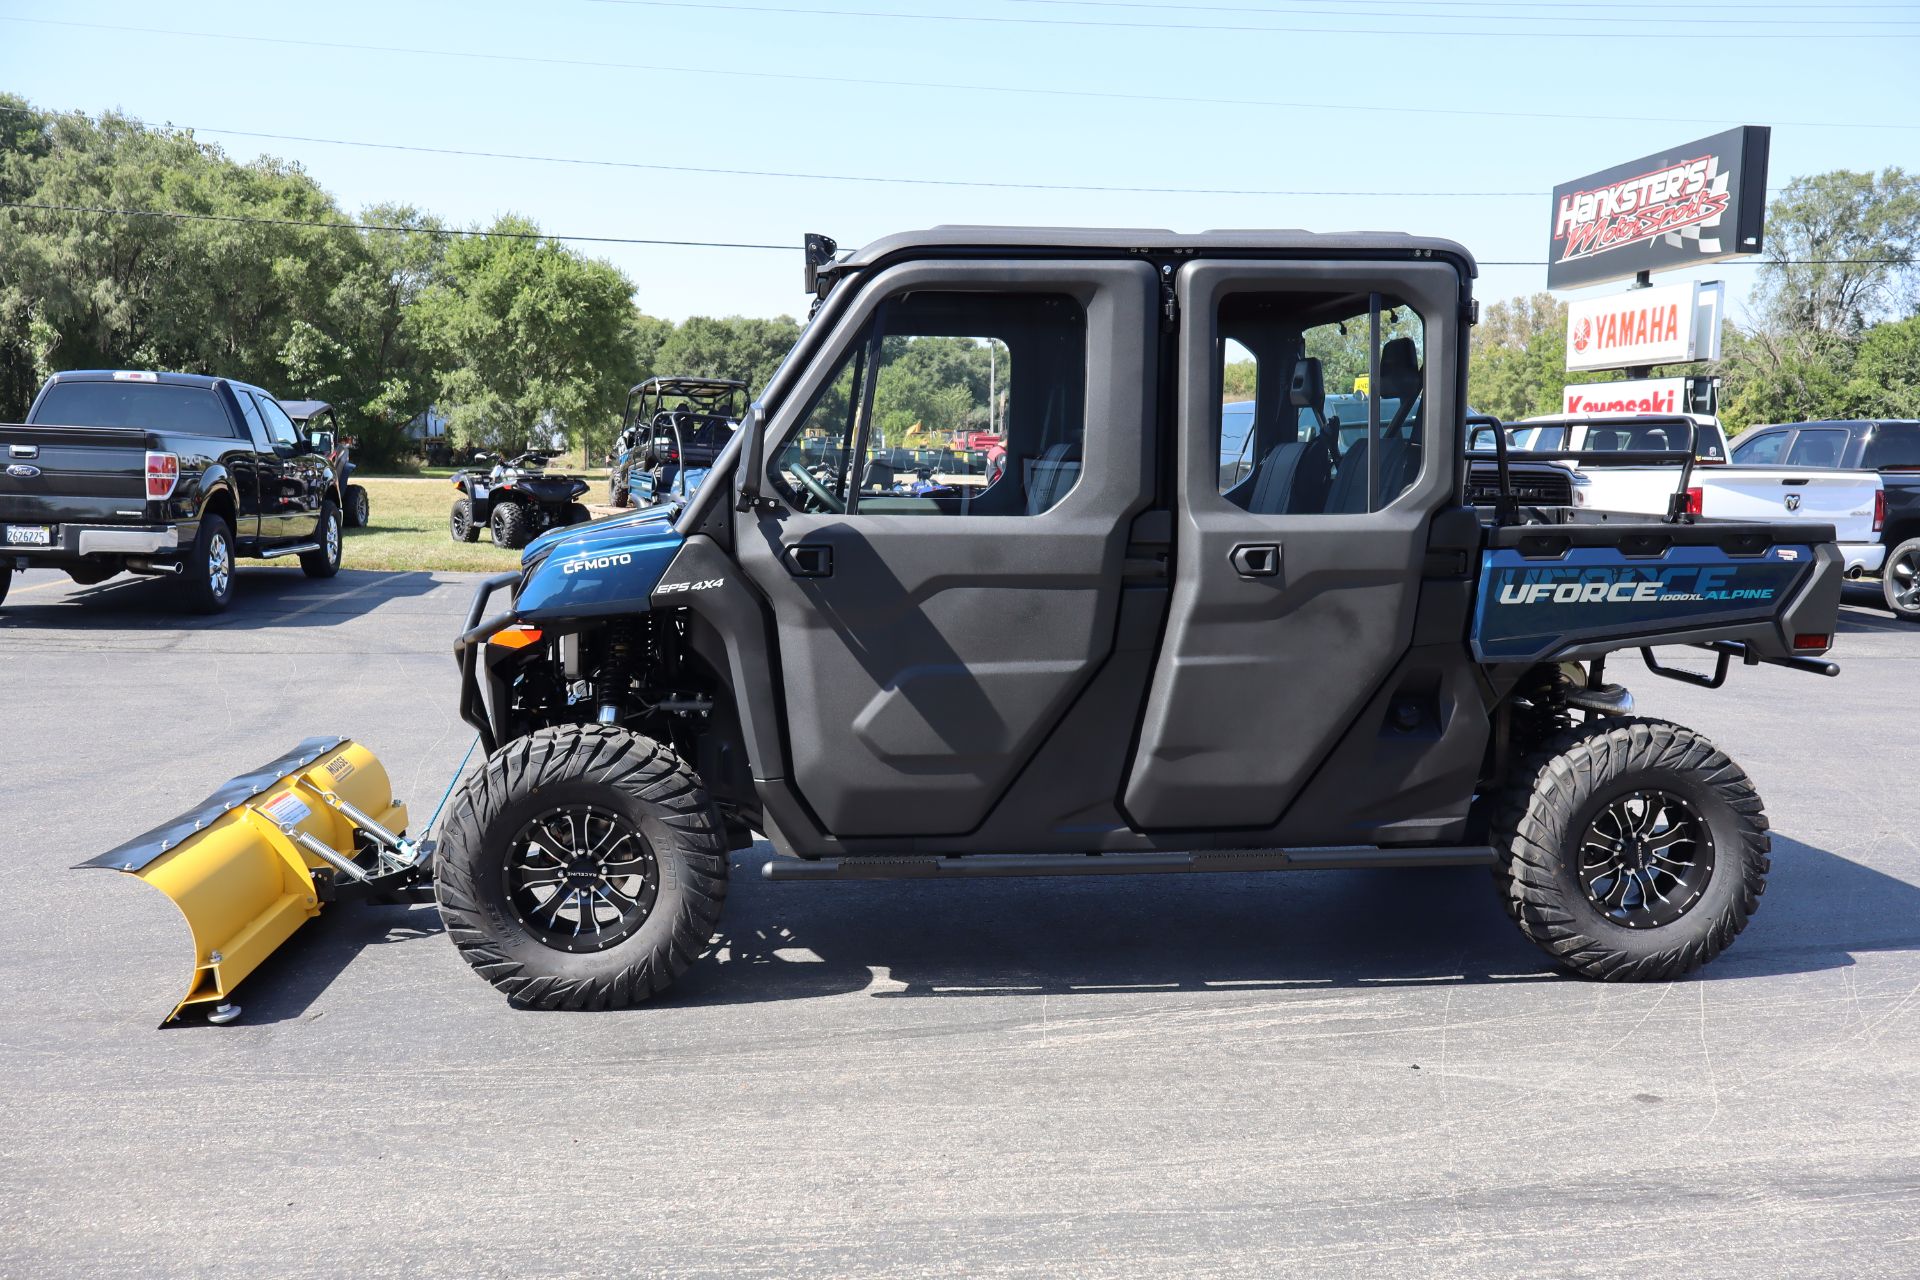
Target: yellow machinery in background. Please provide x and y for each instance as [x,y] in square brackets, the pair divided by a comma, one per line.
[262,855]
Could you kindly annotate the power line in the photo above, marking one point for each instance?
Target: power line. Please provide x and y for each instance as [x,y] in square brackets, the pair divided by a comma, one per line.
[807,177]
[953,86]
[725,244]
[1290,10]
[1239,29]
[448,232]
[1737,7]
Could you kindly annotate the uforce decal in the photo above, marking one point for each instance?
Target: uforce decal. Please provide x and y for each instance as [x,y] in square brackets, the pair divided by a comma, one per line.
[706,584]
[1606,586]
[582,564]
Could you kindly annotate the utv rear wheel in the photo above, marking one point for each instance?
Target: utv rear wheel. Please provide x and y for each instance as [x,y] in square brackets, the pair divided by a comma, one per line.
[460,522]
[324,561]
[617,495]
[208,577]
[509,525]
[577,514]
[1631,850]
[359,508]
[1900,580]
[582,868]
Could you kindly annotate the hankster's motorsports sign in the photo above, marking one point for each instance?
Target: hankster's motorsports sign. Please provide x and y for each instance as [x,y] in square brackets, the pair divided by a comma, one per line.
[1694,204]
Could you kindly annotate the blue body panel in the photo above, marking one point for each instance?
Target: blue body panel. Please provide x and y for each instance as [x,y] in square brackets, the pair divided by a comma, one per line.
[1530,609]
[608,566]
[682,484]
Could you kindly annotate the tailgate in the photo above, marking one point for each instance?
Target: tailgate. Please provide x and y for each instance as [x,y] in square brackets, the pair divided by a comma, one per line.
[63,475]
[1843,499]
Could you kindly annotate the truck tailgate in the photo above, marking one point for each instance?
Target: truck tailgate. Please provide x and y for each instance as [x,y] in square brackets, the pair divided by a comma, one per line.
[61,475]
[1843,499]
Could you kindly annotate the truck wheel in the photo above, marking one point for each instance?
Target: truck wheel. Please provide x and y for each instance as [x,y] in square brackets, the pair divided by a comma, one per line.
[6,580]
[1900,580]
[325,562]
[577,514]
[460,524]
[359,509]
[208,577]
[1631,850]
[582,868]
[509,525]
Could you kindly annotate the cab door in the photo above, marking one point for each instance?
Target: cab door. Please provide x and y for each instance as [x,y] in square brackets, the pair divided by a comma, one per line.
[938,605]
[1298,567]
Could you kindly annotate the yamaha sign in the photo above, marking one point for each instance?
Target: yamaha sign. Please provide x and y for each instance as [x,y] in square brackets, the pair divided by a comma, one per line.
[1672,324]
[1692,205]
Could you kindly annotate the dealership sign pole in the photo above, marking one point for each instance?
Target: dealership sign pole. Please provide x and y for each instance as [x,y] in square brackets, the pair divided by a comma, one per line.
[1700,203]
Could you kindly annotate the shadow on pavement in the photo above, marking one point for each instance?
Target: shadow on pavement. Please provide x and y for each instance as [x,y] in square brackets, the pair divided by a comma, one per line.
[287,983]
[1329,929]
[262,597]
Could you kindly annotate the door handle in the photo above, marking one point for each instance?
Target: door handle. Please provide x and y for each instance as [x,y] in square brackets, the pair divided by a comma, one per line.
[808,560]
[1256,559]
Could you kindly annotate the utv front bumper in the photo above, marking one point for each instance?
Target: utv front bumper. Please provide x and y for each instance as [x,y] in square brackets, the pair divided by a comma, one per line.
[475,707]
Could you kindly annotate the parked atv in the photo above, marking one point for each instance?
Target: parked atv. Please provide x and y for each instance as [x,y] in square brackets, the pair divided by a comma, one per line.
[516,501]
[317,421]
[671,424]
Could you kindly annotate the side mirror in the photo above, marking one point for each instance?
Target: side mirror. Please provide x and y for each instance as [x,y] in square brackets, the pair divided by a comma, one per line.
[321,442]
[753,460]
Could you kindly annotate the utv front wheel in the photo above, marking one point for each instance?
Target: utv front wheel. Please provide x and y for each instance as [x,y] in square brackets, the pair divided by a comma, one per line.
[583,868]
[1631,850]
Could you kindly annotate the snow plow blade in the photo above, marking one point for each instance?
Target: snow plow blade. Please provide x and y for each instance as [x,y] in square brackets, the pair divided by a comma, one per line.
[262,855]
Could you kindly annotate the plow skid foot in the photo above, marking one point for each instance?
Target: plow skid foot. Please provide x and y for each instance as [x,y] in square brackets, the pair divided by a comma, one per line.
[262,855]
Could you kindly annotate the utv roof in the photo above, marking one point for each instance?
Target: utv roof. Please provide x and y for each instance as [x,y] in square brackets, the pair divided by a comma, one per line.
[301,410]
[1287,240]
[695,388]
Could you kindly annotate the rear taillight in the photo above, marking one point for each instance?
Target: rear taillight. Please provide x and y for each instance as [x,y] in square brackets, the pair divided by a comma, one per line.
[1696,501]
[1879,509]
[1815,642]
[163,473]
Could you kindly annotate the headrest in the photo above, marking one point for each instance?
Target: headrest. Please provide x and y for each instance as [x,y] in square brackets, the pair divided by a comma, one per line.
[1400,370]
[1308,388]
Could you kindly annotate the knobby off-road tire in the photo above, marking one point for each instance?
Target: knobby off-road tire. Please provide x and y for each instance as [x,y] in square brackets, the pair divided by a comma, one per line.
[617,495]
[207,581]
[359,507]
[484,861]
[1564,811]
[325,562]
[509,525]
[1900,580]
[460,521]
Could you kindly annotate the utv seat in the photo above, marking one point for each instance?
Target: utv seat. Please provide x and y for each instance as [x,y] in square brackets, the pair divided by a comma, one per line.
[1049,476]
[1291,479]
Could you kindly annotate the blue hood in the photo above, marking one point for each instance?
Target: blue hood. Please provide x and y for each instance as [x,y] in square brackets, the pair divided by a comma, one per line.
[608,566]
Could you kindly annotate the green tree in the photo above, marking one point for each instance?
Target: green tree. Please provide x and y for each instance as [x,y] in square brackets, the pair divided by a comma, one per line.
[731,347]
[1840,250]
[520,325]
[1885,378]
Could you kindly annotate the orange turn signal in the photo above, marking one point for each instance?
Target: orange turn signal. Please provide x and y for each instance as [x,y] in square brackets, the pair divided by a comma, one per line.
[516,637]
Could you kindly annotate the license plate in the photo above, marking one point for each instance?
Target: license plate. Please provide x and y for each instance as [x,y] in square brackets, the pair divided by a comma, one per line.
[30,535]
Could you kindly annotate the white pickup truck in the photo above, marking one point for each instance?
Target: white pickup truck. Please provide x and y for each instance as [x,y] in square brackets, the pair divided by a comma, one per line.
[1851,501]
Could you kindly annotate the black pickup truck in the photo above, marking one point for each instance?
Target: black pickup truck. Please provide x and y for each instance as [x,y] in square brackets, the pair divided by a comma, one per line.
[1889,446]
[162,473]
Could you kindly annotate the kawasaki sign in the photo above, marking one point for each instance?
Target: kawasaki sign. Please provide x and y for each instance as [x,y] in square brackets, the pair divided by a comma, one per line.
[1694,204]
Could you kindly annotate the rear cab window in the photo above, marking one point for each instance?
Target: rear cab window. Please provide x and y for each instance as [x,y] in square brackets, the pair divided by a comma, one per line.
[150,406]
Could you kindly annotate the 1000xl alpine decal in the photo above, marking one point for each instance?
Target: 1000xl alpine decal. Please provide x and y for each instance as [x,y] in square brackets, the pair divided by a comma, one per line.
[1528,606]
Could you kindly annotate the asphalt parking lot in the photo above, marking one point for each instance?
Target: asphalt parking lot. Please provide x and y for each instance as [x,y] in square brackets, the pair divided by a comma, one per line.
[1354,1073]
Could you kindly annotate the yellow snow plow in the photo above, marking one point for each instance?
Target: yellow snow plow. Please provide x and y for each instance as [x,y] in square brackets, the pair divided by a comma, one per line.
[262,855]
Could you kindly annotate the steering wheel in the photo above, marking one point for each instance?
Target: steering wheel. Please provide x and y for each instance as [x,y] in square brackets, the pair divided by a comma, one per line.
[815,490]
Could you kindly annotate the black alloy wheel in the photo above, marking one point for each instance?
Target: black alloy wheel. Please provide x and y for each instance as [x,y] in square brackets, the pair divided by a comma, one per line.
[580,878]
[1645,859]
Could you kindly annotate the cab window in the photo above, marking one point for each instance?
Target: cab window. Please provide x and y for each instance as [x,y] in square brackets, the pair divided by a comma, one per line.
[1760,450]
[1317,418]
[279,426]
[947,404]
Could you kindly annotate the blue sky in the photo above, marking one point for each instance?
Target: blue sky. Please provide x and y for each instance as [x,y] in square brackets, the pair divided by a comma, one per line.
[1687,78]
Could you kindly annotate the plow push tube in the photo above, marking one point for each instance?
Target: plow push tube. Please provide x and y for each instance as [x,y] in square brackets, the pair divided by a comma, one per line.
[263,854]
